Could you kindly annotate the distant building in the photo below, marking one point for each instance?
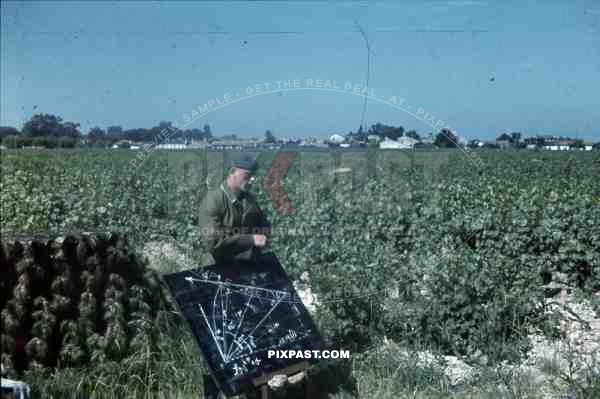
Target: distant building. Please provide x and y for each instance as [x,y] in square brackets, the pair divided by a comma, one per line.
[337,139]
[407,142]
[171,147]
[476,143]
[403,143]
[554,143]
[122,144]
[388,144]
[236,144]
[559,145]
[199,143]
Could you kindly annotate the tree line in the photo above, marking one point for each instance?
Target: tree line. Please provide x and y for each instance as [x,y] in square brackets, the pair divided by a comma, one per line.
[51,131]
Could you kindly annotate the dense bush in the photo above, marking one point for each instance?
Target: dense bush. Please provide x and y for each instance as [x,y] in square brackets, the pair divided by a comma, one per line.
[469,303]
[17,141]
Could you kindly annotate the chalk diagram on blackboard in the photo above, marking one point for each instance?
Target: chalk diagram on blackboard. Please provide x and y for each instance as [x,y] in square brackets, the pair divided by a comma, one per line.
[245,320]
[239,311]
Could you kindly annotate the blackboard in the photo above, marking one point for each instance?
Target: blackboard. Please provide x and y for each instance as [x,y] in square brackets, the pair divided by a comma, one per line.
[239,311]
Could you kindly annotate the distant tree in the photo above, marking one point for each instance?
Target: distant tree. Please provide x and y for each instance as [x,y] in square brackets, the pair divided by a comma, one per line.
[445,138]
[200,135]
[537,141]
[67,142]
[504,137]
[71,129]
[413,135]
[162,125]
[17,141]
[395,133]
[207,131]
[114,133]
[45,141]
[139,134]
[24,141]
[8,131]
[229,137]
[361,135]
[44,125]
[159,132]
[50,125]
[384,131]
[473,143]
[196,134]
[10,141]
[187,135]
[515,140]
[269,138]
[130,134]
[39,141]
[96,136]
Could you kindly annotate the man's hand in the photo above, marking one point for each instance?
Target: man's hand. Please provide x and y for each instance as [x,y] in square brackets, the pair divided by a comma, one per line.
[260,240]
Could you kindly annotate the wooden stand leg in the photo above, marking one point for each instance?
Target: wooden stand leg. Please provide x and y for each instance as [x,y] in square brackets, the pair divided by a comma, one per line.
[265,392]
[210,389]
[310,390]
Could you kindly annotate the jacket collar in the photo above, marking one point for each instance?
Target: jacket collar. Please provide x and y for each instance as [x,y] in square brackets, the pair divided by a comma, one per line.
[232,198]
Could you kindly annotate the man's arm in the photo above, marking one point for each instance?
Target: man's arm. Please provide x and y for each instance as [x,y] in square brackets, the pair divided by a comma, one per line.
[218,238]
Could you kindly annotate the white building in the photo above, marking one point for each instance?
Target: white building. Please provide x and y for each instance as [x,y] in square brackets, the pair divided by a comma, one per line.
[337,139]
[403,143]
[171,147]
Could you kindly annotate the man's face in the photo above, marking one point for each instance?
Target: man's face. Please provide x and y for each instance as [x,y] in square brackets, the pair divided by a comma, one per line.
[241,179]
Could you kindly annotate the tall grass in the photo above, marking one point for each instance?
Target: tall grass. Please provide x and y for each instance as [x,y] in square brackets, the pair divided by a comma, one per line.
[174,372]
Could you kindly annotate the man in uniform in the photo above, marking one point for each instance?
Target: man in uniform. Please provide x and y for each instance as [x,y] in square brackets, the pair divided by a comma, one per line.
[233,227]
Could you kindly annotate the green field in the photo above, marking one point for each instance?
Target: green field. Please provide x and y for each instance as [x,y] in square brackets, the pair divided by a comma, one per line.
[432,250]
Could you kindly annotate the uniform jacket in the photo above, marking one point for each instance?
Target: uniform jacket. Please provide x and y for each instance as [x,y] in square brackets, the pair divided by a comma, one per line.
[228,224]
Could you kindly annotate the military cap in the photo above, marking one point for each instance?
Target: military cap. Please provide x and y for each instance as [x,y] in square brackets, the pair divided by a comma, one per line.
[241,160]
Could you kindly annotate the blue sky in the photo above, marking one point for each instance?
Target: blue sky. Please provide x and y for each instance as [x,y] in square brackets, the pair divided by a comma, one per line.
[481,67]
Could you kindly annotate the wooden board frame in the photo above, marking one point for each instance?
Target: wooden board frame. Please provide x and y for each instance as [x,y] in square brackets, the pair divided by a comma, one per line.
[262,380]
